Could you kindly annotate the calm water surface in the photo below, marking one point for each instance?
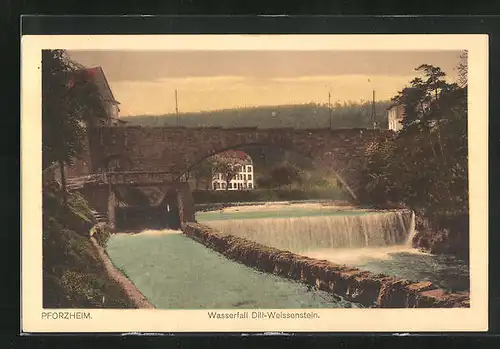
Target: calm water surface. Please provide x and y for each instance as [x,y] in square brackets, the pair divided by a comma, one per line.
[175,272]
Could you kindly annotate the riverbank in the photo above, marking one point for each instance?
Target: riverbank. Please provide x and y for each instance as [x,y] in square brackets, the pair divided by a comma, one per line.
[267,195]
[259,205]
[73,273]
[445,235]
[354,284]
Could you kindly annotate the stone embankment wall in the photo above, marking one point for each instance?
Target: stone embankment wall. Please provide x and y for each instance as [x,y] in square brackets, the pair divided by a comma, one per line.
[353,284]
[132,293]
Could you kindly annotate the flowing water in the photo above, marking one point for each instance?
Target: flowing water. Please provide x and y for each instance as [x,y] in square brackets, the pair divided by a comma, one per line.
[377,241]
[175,272]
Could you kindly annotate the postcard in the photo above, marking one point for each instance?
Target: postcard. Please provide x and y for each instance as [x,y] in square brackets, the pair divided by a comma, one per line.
[254,183]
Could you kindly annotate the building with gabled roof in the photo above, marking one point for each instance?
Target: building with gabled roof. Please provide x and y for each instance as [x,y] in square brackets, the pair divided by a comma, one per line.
[96,76]
[111,105]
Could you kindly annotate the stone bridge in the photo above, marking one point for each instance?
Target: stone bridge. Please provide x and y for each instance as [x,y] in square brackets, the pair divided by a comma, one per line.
[175,150]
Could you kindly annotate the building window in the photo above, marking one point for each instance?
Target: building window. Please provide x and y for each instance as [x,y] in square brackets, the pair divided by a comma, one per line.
[223,185]
[249,177]
[249,168]
[244,186]
[244,177]
[249,185]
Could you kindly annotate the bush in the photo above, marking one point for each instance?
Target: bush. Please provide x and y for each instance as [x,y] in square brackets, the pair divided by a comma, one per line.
[101,232]
[73,274]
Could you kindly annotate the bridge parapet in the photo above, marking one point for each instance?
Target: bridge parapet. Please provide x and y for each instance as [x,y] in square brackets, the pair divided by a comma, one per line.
[128,177]
[122,178]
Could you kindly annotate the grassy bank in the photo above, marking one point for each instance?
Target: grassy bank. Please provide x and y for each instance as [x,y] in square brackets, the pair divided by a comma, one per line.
[73,274]
[264,195]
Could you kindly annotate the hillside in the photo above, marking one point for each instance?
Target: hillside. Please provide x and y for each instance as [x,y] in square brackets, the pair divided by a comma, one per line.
[73,274]
[347,115]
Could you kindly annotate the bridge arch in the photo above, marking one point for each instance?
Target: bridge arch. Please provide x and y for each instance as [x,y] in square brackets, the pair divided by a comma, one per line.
[177,149]
[317,163]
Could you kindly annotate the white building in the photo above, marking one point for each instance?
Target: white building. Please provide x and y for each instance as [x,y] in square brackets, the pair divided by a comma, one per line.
[395,117]
[243,180]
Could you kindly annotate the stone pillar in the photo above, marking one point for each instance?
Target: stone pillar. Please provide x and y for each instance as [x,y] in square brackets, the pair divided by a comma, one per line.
[185,203]
[112,209]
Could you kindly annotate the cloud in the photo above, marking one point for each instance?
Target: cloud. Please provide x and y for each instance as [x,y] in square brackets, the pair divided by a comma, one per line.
[151,66]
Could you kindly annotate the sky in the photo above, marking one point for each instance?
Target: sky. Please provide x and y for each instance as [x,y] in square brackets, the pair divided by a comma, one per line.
[145,82]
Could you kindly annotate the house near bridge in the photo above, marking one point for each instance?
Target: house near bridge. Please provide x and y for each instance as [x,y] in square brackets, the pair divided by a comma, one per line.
[111,117]
[395,117]
[244,178]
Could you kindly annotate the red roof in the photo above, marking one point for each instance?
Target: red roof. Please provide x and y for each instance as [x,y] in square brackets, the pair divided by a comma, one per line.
[91,72]
[96,74]
[238,154]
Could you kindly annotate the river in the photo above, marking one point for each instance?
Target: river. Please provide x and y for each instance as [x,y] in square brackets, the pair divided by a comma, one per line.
[175,272]
[377,241]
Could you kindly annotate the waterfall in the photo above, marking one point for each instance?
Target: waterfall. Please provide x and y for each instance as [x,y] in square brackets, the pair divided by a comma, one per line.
[370,229]
[412,231]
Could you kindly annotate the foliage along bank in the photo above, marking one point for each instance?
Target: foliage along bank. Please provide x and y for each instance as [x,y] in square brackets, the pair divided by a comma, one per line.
[425,165]
[261,195]
[73,273]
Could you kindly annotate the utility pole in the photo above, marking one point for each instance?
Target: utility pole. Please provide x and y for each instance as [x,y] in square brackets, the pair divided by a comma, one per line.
[330,109]
[176,107]
[373,111]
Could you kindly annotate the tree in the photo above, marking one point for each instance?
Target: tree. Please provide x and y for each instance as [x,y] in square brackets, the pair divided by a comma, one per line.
[286,174]
[463,70]
[227,165]
[203,171]
[69,103]
[425,165]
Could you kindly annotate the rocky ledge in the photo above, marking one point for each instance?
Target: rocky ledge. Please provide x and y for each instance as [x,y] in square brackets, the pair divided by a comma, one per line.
[449,236]
[368,289]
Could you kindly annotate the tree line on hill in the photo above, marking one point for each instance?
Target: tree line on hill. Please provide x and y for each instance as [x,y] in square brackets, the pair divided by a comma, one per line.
[311,115]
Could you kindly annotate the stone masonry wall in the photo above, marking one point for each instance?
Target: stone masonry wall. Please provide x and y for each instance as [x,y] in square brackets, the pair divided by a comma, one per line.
[177,149]
[185,203]
[355,285]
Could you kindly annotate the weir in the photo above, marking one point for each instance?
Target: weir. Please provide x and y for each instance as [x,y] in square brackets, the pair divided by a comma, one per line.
[309,233]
